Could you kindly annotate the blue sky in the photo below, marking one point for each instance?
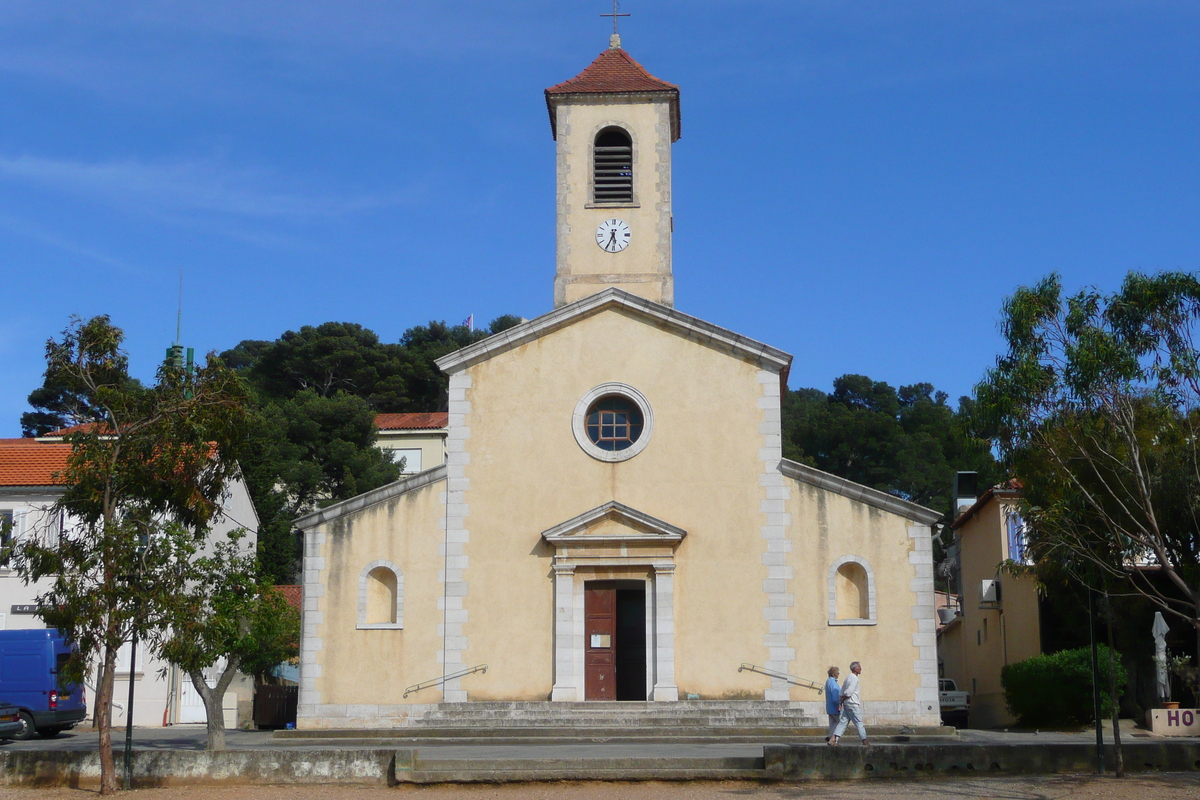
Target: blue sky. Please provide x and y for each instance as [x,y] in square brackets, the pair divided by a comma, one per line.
[859,183]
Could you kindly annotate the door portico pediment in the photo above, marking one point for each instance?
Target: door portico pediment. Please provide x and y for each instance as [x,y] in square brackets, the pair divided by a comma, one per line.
[613,529]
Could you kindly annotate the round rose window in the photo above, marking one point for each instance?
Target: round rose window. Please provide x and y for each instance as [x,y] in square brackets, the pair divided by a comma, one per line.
[613,422]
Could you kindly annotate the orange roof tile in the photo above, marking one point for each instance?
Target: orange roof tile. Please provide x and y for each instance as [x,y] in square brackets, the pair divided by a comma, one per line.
[614,72]
[33,464]
[418,421]
[293,593]
[85,427]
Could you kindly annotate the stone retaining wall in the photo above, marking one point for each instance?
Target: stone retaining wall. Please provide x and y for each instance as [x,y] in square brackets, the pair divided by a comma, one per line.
[190,767]
[848,762]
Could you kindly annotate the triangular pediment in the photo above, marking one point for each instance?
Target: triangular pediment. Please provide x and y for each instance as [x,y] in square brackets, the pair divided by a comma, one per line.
[647,311]
[613,524]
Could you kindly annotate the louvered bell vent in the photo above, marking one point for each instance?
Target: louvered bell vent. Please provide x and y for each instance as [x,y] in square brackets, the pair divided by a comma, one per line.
[613,165]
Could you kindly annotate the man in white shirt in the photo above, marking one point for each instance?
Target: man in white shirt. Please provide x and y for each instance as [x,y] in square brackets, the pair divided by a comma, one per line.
[851,706]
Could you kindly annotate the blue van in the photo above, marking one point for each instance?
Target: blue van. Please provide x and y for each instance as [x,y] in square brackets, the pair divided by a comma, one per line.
[29,665]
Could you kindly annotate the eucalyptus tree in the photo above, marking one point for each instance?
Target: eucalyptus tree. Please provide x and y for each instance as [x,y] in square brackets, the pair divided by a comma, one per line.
[1096,408]
[141,457]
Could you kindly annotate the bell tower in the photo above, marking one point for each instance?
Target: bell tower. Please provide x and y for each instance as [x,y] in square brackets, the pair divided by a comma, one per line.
[613,125]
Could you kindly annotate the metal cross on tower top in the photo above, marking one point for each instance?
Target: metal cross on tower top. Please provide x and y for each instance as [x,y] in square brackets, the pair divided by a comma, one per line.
[615,40]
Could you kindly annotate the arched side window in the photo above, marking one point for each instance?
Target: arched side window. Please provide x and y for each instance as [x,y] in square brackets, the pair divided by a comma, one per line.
[612,167]
[381,597]
[851,592]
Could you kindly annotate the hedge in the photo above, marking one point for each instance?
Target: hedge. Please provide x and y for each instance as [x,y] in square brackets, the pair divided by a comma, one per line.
[1056,689]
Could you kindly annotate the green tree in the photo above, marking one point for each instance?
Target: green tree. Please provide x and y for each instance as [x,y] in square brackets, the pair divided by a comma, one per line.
[426,344]
[908,442]
[331,358]
[316,392]
[153,453]
[1095,407]
[303,453]
[224,612]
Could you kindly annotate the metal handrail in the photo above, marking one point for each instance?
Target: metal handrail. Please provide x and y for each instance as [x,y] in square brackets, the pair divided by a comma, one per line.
[416,687]
[783,676]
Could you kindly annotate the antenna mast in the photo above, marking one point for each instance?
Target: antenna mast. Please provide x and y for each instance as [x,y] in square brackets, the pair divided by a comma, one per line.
[179,312]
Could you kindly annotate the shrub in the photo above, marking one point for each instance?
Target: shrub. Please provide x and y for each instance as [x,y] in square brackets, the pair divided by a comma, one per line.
[1056,689]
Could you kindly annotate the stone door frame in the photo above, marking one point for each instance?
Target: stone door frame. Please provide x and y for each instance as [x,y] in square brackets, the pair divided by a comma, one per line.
[638,547]
[569,580]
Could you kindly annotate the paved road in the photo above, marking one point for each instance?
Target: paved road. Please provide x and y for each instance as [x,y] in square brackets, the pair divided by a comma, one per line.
[1068,787]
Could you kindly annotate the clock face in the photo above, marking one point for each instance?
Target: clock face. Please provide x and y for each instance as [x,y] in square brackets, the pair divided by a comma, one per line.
[612,235]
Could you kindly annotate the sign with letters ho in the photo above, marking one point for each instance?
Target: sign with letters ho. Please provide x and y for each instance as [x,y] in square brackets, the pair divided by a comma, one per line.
[1175,721]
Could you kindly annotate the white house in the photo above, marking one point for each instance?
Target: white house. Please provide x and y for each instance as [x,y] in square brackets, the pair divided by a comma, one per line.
[29,487]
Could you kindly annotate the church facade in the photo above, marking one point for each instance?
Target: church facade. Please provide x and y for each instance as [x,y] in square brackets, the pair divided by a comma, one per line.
[614,520]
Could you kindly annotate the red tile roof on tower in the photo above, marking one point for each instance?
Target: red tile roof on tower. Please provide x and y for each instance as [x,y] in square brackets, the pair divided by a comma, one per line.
[33,464]
[614,72]
[419,421]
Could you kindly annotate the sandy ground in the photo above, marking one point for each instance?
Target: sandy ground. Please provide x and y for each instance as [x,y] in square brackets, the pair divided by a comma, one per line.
[1059,787]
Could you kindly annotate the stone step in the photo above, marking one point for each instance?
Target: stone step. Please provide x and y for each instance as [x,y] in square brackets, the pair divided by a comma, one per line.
[592,733]
[617,713]
[611,723]
[713,722]
[411,737]
[627,709]
[646,705]
[420,770]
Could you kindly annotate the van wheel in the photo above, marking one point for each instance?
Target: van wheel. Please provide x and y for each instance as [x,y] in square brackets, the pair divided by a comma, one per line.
[27,730]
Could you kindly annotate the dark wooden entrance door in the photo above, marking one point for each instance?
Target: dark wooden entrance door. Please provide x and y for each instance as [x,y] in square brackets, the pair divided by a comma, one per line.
[614,640]
[600,642]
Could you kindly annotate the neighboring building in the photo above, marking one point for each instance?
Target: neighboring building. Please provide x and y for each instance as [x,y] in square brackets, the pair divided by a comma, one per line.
[29,487]
[999,621]
[614,520]
[418,438]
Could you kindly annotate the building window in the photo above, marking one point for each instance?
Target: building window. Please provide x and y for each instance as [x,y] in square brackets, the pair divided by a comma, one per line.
[613,422]
[851,592]
[1017,537]
[7,529]
[411,458]
[381,597]
[612,167]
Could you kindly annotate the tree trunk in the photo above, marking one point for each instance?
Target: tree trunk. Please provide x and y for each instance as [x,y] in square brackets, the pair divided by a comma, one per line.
[1118,753]
[103,715]
[100,673]
[214,701]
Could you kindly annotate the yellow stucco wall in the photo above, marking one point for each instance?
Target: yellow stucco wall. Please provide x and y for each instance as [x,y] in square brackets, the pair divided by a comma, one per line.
[699,472]
[375,666]
[826,527]
[991,636]
[644,267]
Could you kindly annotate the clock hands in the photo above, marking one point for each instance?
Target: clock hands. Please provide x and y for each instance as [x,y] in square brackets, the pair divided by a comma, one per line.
[612,235]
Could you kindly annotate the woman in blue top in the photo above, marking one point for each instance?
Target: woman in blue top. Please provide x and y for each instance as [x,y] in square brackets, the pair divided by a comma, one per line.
[833,700]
